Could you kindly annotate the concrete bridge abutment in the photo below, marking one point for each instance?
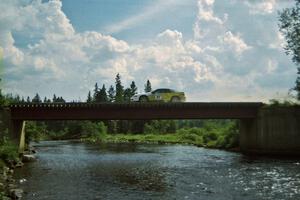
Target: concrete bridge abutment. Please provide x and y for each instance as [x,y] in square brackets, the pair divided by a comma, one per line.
[17,132]
[275,130]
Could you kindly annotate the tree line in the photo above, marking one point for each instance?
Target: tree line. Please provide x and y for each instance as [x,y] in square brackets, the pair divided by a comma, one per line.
[78,129]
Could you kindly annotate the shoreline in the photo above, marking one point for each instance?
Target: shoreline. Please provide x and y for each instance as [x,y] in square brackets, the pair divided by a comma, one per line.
[164,139]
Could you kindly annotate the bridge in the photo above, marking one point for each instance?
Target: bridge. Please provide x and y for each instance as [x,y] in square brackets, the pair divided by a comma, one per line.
[133,111]
[262,129]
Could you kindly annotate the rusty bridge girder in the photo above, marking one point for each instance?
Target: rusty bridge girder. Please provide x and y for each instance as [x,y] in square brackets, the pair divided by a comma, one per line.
[134,111]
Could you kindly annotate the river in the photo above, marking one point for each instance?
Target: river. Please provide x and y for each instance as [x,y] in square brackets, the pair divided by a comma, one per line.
[67,170]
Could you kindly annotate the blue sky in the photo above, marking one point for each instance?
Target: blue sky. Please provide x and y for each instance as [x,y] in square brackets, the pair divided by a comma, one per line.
[213,50]
[102,15]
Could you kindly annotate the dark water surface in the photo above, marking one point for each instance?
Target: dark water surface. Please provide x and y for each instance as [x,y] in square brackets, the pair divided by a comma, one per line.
[70,170]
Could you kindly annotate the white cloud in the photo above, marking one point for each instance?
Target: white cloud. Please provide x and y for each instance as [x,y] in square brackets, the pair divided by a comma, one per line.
[263,7]
[219,63]
[235,43]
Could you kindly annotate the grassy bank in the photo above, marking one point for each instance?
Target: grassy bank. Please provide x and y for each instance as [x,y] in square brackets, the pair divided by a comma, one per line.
[223,136]
[8,158]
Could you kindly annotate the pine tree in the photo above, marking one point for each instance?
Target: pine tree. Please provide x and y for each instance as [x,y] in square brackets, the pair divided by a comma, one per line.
[60,100]
[37,99]
[119,89]
[54,99]
[133,89]
[96,92]
[89,98]
[111,94]
[102,94]
[28,99]
[148,86]
[127,94]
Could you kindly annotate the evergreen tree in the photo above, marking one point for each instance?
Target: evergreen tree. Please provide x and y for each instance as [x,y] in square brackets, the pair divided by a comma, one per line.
[111,94]
[54,99]
[89,97]
[148,86]
[133,89]
[119,89]
[103,94]
[28,99]
[289,24]
[60,100]
[127,94]
[36,99]
[96,92]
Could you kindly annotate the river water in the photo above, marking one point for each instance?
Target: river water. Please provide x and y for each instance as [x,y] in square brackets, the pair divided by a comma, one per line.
[72,170]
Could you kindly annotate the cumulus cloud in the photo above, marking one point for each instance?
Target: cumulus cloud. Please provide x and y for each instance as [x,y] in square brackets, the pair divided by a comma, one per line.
[235,43]
[221,62]
[263,7]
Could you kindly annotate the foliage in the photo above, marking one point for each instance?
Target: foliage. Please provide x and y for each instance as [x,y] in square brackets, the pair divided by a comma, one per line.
[160,127]
[119,89]
[286,103]
[8,151]
[133,89]
[148,87]
[35,131]
[214,135]
[111,94]
[89,98]
[289,24]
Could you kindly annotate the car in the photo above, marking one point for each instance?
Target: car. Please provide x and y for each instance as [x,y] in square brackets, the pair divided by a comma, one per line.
[162,94]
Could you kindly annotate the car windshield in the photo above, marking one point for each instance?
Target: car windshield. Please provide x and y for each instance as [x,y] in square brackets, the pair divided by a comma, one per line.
[163,90]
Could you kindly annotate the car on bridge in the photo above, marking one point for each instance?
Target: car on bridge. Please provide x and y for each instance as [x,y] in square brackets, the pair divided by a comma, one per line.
[162,94]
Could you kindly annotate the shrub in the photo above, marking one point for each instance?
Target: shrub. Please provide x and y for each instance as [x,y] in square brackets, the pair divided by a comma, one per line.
[210,136]
[8,151]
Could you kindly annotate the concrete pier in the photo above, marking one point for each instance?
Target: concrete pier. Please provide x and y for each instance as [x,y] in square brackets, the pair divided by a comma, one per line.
[276,130]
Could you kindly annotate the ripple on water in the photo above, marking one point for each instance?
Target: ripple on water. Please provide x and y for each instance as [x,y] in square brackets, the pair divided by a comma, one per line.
[68,170]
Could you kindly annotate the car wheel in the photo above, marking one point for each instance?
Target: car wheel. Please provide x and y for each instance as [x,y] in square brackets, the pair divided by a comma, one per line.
[143,99]
[175,99]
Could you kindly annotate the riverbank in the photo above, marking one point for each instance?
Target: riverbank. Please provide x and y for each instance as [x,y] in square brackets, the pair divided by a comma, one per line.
[226,137]
[9,161]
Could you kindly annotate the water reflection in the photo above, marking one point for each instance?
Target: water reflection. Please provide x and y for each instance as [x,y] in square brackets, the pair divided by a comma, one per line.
[72,170]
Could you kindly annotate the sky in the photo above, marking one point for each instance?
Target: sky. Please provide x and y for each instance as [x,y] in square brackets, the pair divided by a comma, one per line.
[213,50]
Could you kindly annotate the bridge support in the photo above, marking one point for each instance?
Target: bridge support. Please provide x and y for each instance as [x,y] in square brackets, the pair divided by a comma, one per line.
[17,131]
[276,131]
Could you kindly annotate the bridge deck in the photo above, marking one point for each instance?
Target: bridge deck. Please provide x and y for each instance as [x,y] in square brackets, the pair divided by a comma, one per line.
[134,111]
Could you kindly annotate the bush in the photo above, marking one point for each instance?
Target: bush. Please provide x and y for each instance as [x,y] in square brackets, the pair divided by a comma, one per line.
[97,131]
[210,136]
[8,151]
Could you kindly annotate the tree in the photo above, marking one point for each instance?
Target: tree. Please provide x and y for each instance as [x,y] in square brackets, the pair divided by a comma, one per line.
[148,86]
[89,97]
[111,94]
[96,92]
[54,99]
[133,89]
[28,99]
[36,99]
[102,94]
[119,89]
[127,94]
[289,24]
